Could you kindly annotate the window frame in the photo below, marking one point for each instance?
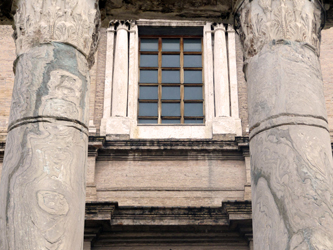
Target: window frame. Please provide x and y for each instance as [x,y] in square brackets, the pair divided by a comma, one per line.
[214,126]
[181,83]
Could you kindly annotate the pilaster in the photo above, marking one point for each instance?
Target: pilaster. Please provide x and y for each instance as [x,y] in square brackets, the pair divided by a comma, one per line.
[226,119]
[222,102]
[115,120]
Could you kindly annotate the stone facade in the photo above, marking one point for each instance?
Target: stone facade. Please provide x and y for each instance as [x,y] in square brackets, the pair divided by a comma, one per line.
[175,192]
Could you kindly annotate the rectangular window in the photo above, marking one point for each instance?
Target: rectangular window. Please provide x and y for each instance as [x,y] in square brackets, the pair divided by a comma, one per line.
[171,80]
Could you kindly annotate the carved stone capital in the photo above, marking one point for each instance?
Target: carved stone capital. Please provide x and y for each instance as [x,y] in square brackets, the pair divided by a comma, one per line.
[120,24]
[219,26]
[263,21]
[67,21]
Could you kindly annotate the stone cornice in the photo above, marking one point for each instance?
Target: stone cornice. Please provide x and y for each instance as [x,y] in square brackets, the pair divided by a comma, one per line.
[43,21]
[262,21]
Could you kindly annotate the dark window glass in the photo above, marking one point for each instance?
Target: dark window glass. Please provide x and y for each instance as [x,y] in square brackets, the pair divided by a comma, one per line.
[193,121]
[149,44]
[191,61]
[148,92]
[170,76]
[149,61]
[193,93]
[171,44]
[193,76]
[148,76]
[170,61]
[169,121]
[148,109]
[170,109]
[170,93]
[193,109]
[146,121]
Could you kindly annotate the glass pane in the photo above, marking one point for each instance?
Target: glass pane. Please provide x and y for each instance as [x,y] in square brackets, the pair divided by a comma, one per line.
[144,121]
[170,61]
[193,109]
[192,45]
[170,44]
[149,44]
[193,76]
[193,93]
[148,76]
[193,121]
[148,60]
[170,93]
[170,76]
[170,109]
[192,61]
[148,92]
[164,121]
[147,109]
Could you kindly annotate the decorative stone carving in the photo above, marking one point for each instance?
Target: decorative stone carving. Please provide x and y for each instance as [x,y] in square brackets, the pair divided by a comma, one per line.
[68,21]
[262,21]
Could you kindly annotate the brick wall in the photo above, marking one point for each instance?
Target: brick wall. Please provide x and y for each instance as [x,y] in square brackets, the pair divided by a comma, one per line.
[100,80]
[242,88]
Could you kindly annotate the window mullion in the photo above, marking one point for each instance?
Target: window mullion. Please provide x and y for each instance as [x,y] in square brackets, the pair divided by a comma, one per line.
[182,80]
[159,80]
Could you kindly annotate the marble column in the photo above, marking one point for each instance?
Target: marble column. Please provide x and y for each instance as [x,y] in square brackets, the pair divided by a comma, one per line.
[42,190]
[291,156]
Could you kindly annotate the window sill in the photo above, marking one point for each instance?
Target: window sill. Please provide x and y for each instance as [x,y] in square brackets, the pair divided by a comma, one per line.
[173,125]
[161,131]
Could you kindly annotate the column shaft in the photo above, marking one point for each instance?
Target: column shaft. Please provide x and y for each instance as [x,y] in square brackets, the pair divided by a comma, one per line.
[42,190]
[291,155]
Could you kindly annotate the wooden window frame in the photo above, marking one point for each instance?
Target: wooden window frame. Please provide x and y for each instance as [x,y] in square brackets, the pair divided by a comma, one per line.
[182,85]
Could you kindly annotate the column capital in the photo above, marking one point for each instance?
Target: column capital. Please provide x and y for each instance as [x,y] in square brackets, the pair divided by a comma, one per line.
[44,21]
[120,24]
[219,26]
[261,22]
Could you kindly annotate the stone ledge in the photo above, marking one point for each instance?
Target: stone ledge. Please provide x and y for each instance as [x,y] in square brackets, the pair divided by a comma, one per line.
[230,211]
[107,223]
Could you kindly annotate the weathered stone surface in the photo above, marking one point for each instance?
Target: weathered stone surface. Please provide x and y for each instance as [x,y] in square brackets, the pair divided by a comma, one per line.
[43,21]
[292,188]
[42,189]
[291,159]
[285,87]
[262,21]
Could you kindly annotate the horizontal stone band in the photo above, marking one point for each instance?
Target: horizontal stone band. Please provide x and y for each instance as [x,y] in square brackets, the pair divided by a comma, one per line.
[50,119]
[288,119]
